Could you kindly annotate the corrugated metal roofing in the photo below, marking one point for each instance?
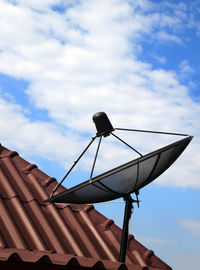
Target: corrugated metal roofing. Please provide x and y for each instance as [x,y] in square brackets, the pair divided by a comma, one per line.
[32,229]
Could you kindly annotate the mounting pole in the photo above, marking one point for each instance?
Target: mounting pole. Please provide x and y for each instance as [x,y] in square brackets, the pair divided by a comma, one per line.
[125,232]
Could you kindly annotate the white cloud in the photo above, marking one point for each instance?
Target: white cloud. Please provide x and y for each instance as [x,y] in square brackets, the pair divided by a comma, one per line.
[164,36]
[192,226]
[87,60]
[149,241]
[38,5]
[185,68]
[160,59]
[36,138]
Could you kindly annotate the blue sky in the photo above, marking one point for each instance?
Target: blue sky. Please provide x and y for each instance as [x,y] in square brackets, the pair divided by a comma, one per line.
[139,61]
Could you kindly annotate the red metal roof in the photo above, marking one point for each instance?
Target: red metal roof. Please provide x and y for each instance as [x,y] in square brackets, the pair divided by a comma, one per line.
[31,231]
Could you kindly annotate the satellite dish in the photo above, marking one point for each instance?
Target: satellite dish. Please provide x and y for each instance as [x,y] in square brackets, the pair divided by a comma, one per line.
[123,180]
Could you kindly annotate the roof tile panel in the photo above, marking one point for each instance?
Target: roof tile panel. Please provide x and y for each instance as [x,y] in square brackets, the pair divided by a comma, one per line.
[64,234]
[41,221]
[6,187]
[9,229]
[16,180]
[25,225]
[73,218]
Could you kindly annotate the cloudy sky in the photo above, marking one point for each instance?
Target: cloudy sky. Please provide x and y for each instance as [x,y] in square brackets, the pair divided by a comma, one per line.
[139,61]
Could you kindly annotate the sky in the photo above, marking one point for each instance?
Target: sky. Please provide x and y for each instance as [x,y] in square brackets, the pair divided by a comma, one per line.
[138,61]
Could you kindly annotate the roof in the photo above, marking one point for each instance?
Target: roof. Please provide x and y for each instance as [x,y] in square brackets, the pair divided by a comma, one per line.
[34,231]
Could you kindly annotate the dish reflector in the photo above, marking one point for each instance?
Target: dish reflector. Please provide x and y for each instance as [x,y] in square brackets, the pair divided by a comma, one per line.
[125,179]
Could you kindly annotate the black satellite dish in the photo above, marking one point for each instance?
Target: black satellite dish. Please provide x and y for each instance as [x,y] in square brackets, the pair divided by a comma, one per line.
[122,180]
